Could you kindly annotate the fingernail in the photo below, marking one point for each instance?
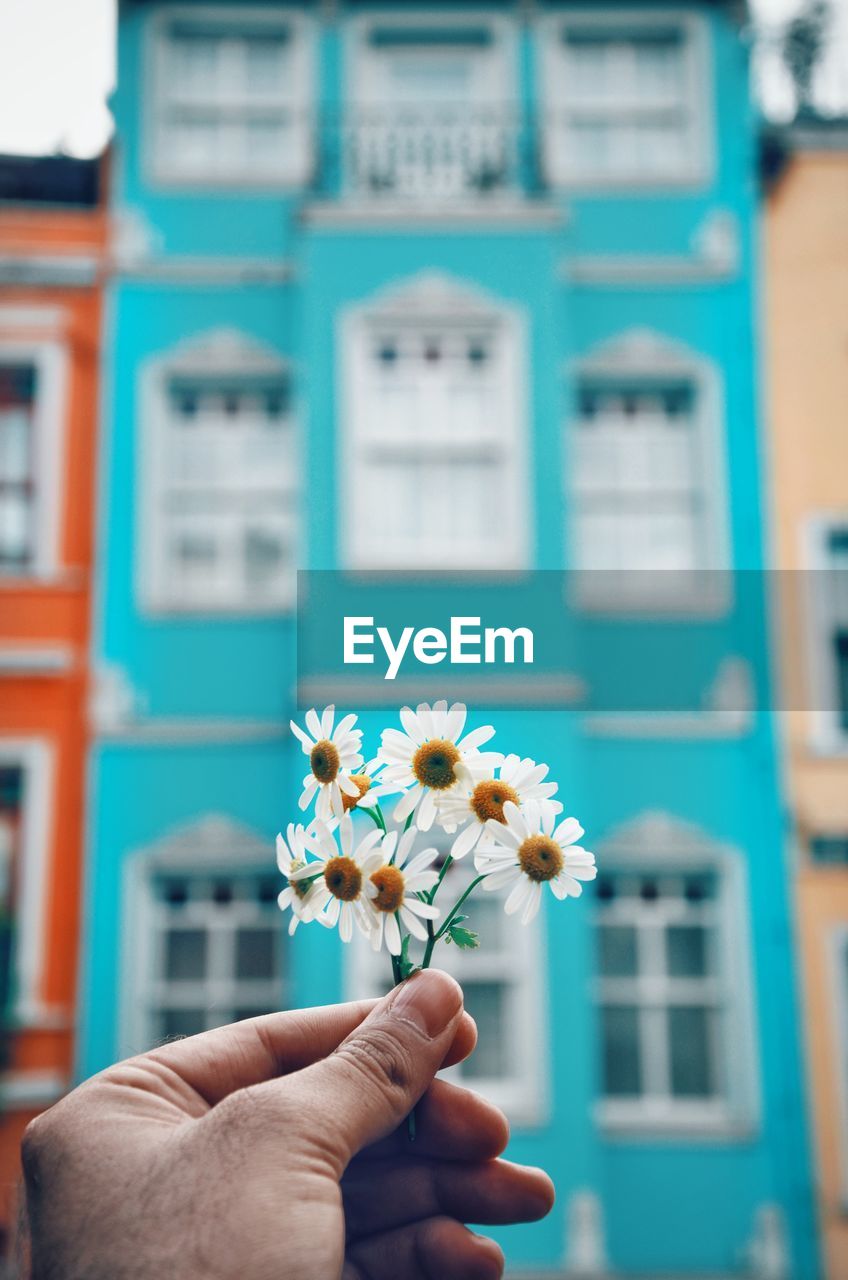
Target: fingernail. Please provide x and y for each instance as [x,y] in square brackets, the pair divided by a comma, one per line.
[430,1000]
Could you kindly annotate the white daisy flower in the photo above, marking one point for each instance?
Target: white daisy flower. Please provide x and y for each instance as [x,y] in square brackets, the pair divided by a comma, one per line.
[292,857]
[339,889]
[392,888]
[525,855]
[432,756]
[471,806]
[370,787]
[333,755]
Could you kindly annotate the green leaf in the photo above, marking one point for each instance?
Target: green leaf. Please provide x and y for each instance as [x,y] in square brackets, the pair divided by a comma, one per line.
[407,967]
[463,938]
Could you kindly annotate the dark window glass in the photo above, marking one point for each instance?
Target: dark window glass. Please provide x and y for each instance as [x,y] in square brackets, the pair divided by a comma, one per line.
[256,953]
[692,1069]
[185,955]
[181,1022]
[622,1067]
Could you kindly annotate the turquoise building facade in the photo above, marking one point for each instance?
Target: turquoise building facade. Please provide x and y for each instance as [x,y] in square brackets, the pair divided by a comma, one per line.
[374,267]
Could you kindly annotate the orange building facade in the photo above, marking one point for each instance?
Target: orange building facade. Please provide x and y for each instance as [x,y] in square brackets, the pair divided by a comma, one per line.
[51,257]
[807,327]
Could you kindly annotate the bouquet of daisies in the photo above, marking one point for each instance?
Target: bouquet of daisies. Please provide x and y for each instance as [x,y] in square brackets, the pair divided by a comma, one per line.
[499,808]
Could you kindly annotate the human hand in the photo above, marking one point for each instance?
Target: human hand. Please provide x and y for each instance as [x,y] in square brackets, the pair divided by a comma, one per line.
[277,1149]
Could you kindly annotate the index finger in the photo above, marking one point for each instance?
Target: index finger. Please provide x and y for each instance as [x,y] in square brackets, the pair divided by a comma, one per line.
[217,1063]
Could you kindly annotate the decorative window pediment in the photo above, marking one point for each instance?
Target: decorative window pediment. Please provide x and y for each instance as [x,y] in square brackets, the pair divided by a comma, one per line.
[661,836]
[215,840]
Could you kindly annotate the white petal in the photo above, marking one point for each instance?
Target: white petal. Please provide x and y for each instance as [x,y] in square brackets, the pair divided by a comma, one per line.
[346,922]
[421,881]
[313,724]
[500,878]
[455,721]
[466,840]
[415,927]
[346,834]
[349,788]
[406,805]
[476,738]
[420,862]
[336,801]
[377,933]
[515,820]
[425,719]
[389,845]
[427,910]
[568,831]
[427,812]
[501,833]
[518,898]
[308,792]
[412,725]
[344,726]
[327,721]
[306,742]
[533,903]
[392,935]
[405,844]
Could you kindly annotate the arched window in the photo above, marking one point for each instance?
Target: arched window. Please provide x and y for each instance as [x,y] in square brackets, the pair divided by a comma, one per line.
[673,981]
[204,940]
[434,436]
[645,445]
[218,524]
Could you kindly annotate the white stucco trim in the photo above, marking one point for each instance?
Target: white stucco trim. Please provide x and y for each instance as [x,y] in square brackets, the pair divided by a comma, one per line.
[700,162]
[706,591]
[826,737]
[659,840]
[35,757]
[210,843]
[48,354]
[160,168]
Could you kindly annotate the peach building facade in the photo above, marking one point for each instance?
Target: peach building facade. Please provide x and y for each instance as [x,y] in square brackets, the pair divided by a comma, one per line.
[51,242]
[807,327]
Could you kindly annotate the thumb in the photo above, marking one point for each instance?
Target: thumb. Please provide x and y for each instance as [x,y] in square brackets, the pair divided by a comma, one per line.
[376,1076]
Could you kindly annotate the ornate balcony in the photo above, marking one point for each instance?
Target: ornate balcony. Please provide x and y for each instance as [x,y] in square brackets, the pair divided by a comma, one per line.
[433,155]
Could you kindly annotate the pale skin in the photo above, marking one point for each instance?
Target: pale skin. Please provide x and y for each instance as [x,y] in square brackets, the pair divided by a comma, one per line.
[278,1149]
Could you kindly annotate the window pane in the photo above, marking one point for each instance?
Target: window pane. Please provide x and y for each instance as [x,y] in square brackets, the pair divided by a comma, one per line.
[692,1068]
[185,954]
[181,1022]
[618,951]
[256,953]
[485,1001]
[687,951]
[622,1070]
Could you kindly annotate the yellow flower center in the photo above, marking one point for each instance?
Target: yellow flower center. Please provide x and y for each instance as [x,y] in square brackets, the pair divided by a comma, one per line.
[343,878]
[540,858]
[388,881]
[488,799]
[301,887]
[433,764]
[362,783]
[324,761]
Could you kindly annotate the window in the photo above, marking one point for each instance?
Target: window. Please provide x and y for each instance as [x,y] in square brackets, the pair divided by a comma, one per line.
[501,981]
[17,466]
[435,473]
[672,990]
[828,558]
[432,116]
[647,488]
[221,524]
[32,388]
[11,822]
[217,951]
[830,848]
[230,97]
[626,98]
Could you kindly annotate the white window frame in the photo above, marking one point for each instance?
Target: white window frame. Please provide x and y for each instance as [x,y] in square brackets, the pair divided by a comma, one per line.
[162,167]
[220,353]
[428,303]
[827,737]
[645,354]
[837,946]
[213,845]
[48,355]
[35,758]
[366,95]
[658,843]
[700,162]
[520,965]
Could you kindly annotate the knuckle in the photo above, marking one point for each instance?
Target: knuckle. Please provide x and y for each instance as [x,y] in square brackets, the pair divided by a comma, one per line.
[40,1139]
[381,1058]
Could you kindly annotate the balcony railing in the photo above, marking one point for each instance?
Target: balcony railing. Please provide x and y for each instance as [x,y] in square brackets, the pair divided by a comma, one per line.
[433,155]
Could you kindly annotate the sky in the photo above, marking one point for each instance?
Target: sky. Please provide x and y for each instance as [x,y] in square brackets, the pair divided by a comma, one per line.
[57,67]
